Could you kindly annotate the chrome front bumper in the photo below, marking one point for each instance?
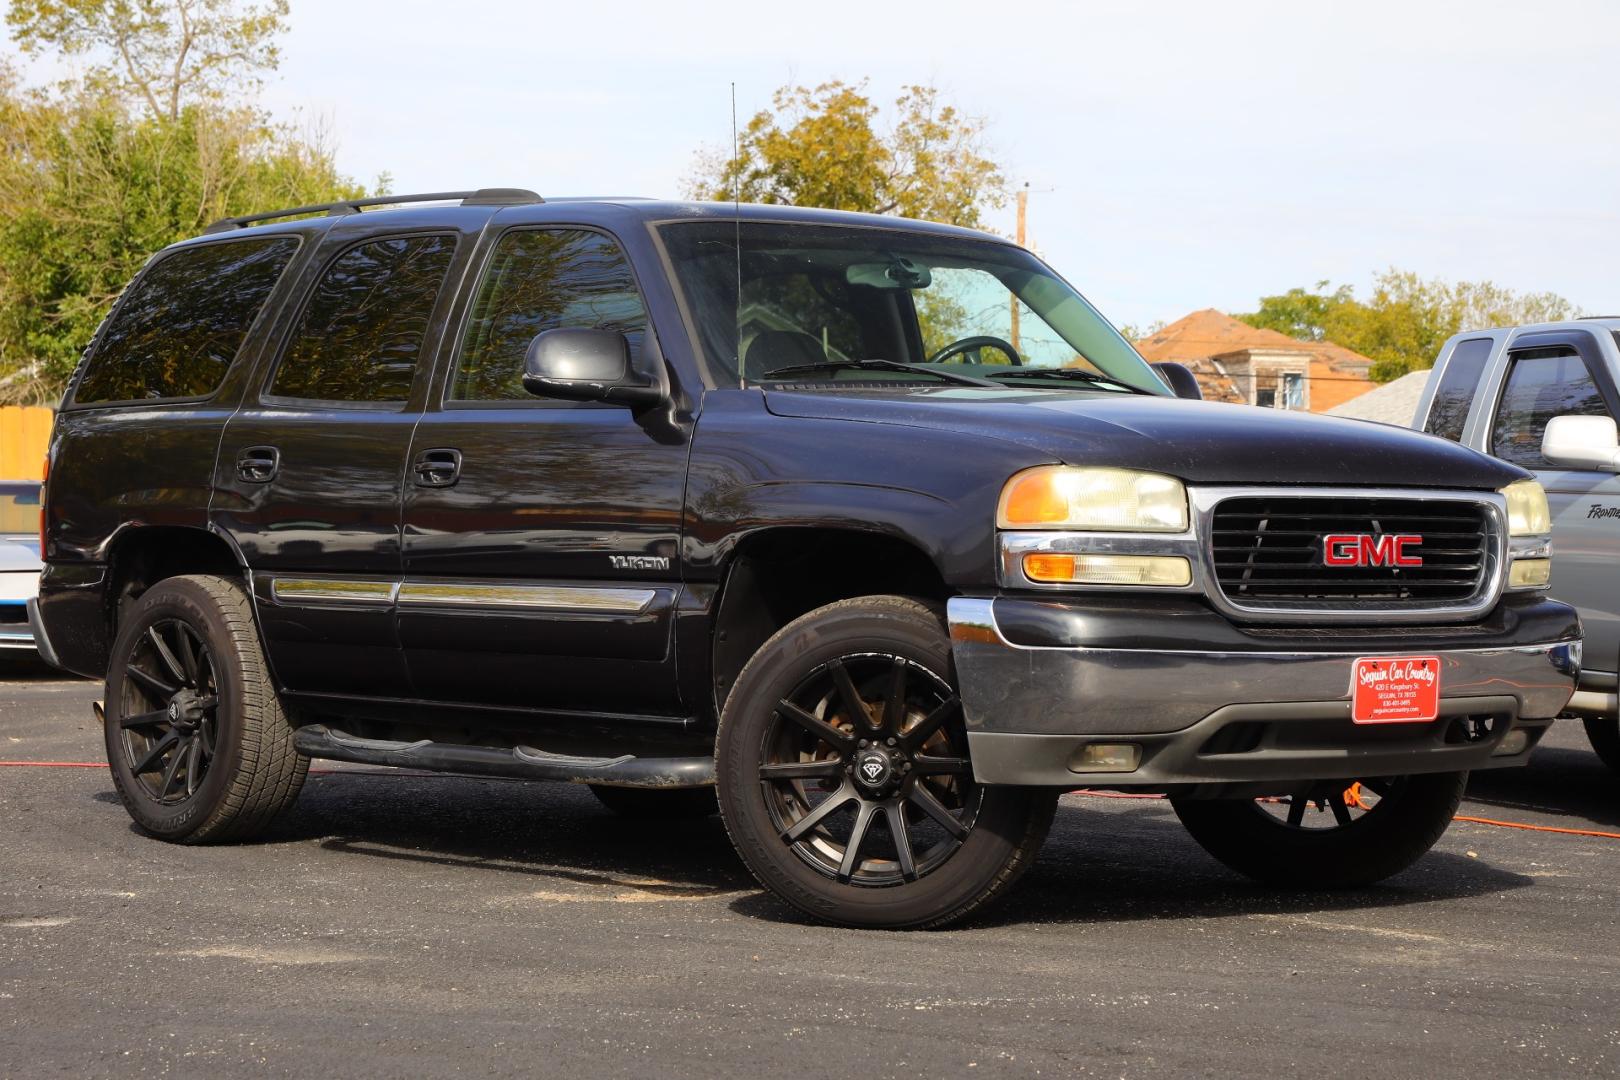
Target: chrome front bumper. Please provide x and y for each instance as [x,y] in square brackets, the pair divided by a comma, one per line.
[1262,713]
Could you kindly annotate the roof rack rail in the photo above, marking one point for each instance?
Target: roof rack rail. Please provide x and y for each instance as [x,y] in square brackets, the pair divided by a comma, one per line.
[481,197]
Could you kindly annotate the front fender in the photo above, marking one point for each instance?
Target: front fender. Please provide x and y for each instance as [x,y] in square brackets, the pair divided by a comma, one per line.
[751,470]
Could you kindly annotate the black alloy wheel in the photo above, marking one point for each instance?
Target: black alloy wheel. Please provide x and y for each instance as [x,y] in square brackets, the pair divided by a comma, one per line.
[1328,834]
[169,715]
[866,773]
[1329,804]
[198,743]
[845,777]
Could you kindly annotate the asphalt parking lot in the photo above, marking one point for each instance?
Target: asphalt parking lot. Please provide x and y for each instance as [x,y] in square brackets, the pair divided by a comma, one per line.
[422,925]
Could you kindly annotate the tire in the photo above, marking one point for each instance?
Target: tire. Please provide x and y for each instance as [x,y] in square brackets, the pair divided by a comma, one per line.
[791,712]
[1251,837]
[230,766]
[1603,732]
[652,804]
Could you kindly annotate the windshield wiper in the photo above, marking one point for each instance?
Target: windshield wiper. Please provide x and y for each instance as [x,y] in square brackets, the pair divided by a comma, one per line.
[1074,375]
[876,365]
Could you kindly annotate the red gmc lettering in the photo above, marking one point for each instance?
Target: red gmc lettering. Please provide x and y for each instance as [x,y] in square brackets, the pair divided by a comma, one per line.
[1360,549]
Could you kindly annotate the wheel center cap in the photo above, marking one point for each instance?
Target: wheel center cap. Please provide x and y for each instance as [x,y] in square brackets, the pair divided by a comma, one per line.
[185,711]
[873,769]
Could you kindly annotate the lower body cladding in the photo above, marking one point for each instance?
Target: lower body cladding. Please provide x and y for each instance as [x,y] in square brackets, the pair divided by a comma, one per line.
[1075,693]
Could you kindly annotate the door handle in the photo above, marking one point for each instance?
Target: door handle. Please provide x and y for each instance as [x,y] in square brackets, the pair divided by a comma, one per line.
[436,468]
[258,464]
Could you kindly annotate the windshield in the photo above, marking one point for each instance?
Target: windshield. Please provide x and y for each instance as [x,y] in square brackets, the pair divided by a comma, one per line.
[815,299]
[19,509]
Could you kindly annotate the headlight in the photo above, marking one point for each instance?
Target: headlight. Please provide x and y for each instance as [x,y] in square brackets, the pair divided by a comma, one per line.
[1110,500]
[1527,509]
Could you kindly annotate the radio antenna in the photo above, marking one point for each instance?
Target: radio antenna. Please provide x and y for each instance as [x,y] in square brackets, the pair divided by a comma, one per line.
[736,218]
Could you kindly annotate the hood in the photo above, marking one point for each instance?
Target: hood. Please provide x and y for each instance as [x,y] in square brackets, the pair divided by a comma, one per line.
[1198,441]
[19,553]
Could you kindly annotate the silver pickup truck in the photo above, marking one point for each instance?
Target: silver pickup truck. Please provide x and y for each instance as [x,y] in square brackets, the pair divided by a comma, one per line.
[1544,397]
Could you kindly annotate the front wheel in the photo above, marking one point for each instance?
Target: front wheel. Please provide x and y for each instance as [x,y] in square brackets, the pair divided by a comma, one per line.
[844,775]
[1327,834]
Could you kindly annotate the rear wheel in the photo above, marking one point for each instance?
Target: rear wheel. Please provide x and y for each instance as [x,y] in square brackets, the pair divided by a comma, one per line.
[845,780]
[657,803]
[197,741]
[1603,732]
[1327,834]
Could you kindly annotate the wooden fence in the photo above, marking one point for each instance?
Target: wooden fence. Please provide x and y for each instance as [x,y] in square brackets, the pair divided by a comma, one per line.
[24,433]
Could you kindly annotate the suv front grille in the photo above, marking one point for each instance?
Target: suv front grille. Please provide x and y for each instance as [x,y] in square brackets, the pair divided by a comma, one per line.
[1268,551]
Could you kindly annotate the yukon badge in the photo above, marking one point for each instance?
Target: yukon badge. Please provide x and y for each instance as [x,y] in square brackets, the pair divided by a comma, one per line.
[639,562]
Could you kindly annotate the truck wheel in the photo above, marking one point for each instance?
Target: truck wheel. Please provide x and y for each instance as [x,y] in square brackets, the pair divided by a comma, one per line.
[1329,834]
[844,776]
[197,741]
[1603,732]
[655,803]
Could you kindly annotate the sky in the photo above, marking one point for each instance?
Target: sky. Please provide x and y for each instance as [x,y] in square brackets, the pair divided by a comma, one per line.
[1179,155]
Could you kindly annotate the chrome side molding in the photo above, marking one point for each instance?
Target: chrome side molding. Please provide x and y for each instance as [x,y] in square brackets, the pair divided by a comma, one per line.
[331,591]
[584,599]
[527,597]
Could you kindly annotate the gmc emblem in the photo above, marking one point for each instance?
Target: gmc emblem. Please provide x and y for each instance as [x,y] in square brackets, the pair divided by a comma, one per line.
[1360,549]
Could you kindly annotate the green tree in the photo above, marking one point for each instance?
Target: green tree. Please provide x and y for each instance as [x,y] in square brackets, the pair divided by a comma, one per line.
[824,147]
[95,179]
[1405,319]
[167,53]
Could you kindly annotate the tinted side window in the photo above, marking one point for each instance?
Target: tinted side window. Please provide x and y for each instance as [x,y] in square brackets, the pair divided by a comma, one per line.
[361,333]
[543,279]
[178,330]
[1458,383]
[1540,387]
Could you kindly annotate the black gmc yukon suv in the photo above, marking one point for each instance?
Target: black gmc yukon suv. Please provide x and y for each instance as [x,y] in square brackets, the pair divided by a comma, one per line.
[875,525]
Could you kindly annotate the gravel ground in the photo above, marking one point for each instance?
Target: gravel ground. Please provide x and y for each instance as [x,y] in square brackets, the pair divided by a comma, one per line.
[399,924]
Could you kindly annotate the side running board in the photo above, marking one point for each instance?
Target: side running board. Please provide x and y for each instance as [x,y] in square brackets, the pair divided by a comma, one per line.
[521,762]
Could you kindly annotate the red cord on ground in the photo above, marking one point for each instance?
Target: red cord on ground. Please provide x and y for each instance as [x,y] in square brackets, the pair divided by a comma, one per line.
[1535,828]
[1460,817]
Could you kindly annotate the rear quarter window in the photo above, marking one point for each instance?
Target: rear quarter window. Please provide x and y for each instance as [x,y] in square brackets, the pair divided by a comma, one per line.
[1459,382]
[179,329]
[361,333]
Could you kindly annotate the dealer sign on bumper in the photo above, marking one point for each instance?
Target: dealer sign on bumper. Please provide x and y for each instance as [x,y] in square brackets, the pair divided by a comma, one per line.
[1395,689]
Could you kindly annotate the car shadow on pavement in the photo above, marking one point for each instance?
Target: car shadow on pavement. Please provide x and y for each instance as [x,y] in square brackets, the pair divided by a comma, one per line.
[26,666]
[1568,783]
[1108,867]
[1101,865]
[514,827]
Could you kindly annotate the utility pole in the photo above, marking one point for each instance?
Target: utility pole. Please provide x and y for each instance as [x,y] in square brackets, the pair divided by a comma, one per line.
[1023,215]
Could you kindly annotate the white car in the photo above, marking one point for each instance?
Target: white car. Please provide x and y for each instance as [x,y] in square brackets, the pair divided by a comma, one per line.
[19,560]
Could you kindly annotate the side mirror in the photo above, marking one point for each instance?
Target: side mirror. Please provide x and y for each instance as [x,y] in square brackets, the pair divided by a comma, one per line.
[1582,442]
[587,365]
[1181,379]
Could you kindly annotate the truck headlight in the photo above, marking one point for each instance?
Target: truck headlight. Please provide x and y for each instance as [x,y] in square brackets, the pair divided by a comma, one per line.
[1527,509]
[1106,500]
